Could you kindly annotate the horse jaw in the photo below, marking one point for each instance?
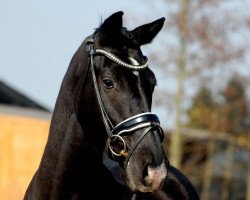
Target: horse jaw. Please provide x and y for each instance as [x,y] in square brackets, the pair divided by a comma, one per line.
[152,182]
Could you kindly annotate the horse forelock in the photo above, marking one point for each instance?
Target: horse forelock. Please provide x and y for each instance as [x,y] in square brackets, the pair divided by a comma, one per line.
[123,37]
[129,37]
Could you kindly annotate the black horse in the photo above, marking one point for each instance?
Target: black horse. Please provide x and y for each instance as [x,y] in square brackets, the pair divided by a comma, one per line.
[104,108]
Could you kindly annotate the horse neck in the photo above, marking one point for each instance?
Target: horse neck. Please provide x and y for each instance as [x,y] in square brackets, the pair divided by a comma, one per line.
[64,120]
[71,155]
[66,144]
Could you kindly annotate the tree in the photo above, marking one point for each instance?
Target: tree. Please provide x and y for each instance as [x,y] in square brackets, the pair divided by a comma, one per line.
[202,33]
[234,113]
[231,115]
[202,109]
[215,38]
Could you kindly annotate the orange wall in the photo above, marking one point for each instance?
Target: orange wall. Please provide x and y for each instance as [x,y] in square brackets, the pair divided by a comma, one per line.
[22,140]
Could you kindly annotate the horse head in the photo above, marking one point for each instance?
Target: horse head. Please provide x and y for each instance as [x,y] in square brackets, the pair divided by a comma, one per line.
[104,104]
[116,99]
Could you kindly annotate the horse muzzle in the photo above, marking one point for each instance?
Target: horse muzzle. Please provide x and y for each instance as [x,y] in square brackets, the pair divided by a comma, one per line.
[147,121]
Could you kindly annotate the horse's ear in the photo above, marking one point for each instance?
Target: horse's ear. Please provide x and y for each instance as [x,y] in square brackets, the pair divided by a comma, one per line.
[112,25]
[145,33]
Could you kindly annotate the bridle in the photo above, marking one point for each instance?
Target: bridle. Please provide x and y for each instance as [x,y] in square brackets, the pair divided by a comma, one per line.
[146,120]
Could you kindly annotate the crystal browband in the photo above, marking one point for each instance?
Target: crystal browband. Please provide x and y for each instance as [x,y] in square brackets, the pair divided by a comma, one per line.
[119,61]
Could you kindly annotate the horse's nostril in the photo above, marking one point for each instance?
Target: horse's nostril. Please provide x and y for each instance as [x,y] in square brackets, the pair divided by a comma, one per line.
[145,176]
[154,176]
[145,172]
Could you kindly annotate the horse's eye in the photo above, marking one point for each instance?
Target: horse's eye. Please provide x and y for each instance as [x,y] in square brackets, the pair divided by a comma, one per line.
[108,83]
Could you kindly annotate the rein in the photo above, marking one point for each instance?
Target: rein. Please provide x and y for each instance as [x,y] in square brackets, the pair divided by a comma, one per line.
[147,120]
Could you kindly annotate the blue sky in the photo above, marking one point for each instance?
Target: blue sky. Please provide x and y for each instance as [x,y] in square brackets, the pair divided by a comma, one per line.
[38,39]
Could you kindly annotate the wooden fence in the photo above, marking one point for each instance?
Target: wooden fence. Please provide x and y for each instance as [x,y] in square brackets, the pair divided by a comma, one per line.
[22,140]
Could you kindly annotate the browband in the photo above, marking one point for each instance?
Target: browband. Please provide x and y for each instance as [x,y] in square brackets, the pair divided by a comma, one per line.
[119,61]
[92,51]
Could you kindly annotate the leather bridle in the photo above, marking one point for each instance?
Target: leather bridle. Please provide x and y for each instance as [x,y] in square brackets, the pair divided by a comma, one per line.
[147,121]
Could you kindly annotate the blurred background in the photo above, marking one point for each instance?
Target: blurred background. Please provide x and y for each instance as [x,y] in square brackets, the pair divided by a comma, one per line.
[201,59]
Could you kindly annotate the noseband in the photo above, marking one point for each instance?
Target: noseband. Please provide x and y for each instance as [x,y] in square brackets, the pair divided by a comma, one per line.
[147,121]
